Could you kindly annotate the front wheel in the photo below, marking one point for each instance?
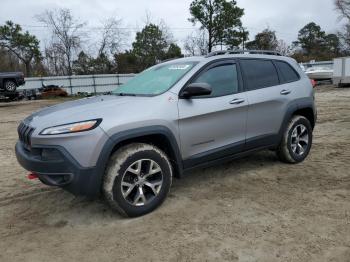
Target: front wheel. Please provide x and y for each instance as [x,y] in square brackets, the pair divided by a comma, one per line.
[296,142]
[137,179]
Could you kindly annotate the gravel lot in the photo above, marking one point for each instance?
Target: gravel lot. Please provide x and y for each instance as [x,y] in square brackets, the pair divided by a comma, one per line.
[252,209]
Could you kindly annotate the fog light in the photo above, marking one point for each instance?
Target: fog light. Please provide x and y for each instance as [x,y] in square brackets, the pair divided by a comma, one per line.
[48,154]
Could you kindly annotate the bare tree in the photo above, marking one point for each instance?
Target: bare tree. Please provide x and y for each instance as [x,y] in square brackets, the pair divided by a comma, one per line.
[67,34]
[54,59]
[113,37]
[344,37]
[196,43]
[283,48]
[343,6]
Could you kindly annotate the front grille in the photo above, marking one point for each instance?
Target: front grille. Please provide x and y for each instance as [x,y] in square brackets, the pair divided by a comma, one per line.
[24,133]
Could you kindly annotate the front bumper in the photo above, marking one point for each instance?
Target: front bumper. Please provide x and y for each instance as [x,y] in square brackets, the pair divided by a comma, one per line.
[56,167]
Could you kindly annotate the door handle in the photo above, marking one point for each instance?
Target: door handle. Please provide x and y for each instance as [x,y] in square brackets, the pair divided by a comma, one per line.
[237,101]
[285,92]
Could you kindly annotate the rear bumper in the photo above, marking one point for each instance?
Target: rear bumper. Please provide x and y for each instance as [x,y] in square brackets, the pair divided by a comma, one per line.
[56,167]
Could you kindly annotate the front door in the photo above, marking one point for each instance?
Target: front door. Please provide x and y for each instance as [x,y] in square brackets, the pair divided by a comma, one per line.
[214,126]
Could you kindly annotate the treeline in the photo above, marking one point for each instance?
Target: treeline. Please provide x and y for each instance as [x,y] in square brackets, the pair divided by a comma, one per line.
[312,44]
[72,51]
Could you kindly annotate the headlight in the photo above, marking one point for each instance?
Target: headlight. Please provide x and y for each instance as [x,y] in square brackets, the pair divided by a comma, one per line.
[72,127]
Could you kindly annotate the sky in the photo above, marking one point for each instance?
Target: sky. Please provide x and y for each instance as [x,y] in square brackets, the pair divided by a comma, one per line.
[286,17]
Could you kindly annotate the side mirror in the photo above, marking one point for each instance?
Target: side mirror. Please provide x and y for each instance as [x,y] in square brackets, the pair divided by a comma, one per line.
[196,89]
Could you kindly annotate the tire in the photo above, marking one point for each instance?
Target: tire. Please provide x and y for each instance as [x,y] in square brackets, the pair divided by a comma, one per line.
[10,86]
[124,169]
[296,141]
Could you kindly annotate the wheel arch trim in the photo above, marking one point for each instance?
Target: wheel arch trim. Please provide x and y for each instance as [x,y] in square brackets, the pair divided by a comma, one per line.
[119,137]
[295,106]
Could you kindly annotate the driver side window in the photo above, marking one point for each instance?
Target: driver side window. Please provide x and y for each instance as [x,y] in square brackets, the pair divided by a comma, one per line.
[223,80]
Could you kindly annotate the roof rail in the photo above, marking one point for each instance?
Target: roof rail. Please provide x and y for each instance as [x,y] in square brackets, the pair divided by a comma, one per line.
[241,51]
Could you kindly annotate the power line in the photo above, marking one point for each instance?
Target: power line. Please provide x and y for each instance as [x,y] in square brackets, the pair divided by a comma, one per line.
[98,28]
[37,27]
[101,28]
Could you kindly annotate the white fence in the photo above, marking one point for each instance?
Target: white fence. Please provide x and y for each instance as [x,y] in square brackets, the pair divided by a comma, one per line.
[83,83]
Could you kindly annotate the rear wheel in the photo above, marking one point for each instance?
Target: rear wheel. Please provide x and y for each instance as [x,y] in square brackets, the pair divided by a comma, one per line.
[10,86]
[296,142]
[137,179]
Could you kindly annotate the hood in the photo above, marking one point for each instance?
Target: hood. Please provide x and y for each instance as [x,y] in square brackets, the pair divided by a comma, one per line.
[80,110]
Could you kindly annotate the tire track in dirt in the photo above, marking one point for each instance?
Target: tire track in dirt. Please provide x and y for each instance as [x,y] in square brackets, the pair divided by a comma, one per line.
[5,201]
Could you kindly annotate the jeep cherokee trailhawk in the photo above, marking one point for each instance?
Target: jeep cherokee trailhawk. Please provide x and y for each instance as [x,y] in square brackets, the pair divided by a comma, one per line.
[173,117]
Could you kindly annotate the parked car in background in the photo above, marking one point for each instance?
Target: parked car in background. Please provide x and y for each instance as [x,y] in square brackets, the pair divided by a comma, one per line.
[11,96]
[9,81]
[53,91]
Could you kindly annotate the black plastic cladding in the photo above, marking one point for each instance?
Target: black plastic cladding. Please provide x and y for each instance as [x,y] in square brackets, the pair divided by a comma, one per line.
[24,133]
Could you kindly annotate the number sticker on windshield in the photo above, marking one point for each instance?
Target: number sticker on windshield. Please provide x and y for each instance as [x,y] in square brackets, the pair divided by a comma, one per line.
[179,67]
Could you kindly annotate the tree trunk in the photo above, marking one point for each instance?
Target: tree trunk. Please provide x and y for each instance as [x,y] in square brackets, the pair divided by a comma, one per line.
[69,67]
[28,70]
[210,27]
[210,42]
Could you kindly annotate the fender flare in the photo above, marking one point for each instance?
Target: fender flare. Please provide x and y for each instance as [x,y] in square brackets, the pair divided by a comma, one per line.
[303,103]
[119,137]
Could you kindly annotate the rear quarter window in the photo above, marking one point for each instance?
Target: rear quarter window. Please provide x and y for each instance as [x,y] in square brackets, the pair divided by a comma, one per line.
[288,74]
[259,73]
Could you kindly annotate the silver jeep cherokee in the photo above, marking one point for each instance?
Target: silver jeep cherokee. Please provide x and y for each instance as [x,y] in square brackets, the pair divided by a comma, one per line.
[173,117]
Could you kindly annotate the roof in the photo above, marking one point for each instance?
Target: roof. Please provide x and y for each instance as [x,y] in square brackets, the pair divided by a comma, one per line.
[266,54]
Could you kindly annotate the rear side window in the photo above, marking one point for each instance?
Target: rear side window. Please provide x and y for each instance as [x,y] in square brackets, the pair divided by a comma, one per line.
[259,74]
[287,72]
[223,80]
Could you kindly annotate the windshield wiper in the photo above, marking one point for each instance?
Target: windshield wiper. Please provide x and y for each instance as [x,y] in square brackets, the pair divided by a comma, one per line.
[124,94]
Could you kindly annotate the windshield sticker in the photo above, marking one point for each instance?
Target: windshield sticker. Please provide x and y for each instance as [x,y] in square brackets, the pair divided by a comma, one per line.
[179,67]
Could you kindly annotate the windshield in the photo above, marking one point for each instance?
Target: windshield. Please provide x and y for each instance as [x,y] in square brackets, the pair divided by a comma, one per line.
[155,80]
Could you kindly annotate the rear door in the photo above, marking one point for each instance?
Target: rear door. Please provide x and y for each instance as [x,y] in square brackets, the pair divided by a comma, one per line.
[214,125]
[268,99]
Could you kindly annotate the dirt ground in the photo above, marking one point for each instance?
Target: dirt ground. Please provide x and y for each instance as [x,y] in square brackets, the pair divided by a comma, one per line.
[252,209]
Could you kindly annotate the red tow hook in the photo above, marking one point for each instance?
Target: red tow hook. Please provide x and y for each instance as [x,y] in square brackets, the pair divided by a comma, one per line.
[314,83]
[32,176]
